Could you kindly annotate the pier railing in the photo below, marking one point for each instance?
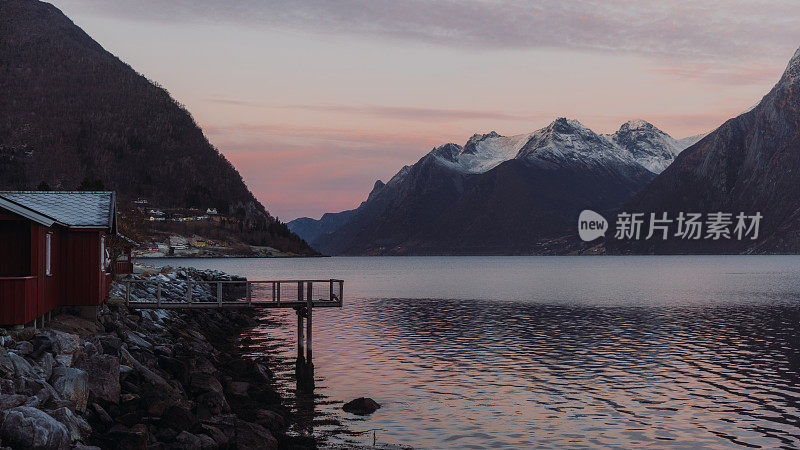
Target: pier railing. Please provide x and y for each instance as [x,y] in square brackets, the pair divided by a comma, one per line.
[232,294]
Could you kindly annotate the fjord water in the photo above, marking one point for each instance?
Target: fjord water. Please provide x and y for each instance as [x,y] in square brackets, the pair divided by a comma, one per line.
[681,351]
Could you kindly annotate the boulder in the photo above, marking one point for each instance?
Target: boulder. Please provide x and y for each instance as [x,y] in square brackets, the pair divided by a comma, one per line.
[204,382]
[253,436]
[125,371]
[8,401]
[103,371]
[270,419]
[206,442]
[187,440]
[6,364]
[237,388]
[361,406]
[66,346]
[44,394]
[42,343]
[178,417]
[109,343]
[174,367]
[23,348]
[44,365]
[123,437]
[212,403]
[72,385]
[25,427]
[101,414]
[138,340]
[216,434]
[77,428]
[22,368]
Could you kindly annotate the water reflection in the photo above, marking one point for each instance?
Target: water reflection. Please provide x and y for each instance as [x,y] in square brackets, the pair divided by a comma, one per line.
[489,374]
[682,352]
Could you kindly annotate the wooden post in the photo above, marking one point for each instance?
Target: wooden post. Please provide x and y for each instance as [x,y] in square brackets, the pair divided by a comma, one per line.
[279,292]
[310,307]
[300,349]
[331,286]
[189,291]
[341,292]
[128,293]
[299,291]
[158,294]
[273,291]
[219,293]
[248,287]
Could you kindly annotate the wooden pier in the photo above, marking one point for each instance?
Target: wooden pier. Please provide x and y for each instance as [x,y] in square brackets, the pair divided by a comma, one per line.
[301,295]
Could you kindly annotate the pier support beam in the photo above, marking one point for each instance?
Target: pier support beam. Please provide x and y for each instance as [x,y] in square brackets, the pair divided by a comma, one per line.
[300,338]
[309,310]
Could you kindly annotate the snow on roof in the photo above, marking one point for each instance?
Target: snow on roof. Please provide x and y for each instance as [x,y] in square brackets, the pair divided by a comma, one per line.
[73,209]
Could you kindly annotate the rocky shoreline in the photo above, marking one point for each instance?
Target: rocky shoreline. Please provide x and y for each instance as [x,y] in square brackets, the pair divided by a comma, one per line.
[140,380]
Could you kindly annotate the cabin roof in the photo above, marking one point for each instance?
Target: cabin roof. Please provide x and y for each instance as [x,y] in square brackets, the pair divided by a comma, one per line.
[72,209]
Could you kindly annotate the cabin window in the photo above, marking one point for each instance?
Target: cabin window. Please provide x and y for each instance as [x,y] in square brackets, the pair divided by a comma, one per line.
[47,253]
[102,253]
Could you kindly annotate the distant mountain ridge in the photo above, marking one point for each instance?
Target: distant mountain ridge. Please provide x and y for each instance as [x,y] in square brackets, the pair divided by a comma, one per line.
[750,164]
[72,110]
[497,194]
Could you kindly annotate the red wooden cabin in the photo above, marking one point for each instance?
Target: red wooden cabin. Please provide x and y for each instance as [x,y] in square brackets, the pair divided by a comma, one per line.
[52,251]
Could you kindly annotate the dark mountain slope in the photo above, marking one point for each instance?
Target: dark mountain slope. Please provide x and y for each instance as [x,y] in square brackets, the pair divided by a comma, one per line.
[749,164]
[71,110]
[495,195]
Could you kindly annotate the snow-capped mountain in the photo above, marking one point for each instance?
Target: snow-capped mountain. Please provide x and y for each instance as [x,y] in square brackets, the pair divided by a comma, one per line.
[497,194]
[651,147]
[636,141]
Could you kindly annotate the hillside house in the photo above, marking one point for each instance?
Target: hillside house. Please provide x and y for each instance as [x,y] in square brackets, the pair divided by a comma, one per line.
[53,251]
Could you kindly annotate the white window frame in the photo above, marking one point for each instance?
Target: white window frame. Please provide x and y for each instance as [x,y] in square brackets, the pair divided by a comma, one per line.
[102,253]
[48,254]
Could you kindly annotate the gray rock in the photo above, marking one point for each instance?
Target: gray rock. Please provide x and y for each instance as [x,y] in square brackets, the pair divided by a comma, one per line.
[23,348]
[8,401]
[44,365]
[132,437]
[270,419]
[25,427]
[72,384]
[66,346]
[22,368]
[253,436]
[7,386]
[42,343]
[89,349]
[188,440]
[110,343]
[125,371]
[6,365]
[216,434]
[103,377]
[77,428]
[206,441]
[138,340]
[101,414]
[45,394]
[361,406]
[203,382]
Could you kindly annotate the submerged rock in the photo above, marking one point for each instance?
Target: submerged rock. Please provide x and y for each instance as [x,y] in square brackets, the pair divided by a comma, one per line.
[361,406]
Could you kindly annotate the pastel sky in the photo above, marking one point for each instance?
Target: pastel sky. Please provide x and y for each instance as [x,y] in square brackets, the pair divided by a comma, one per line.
[313,101]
